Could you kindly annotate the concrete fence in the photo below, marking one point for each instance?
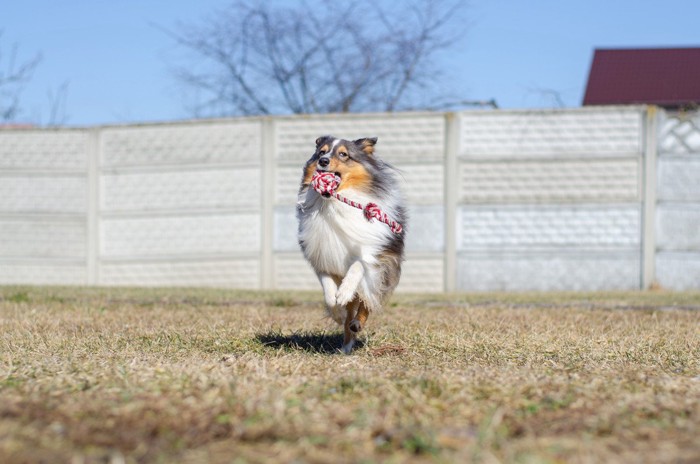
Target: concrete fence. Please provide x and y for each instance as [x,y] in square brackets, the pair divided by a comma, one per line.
[581,199]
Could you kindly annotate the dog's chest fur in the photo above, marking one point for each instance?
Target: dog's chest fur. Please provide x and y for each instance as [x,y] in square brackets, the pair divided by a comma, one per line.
[333,235]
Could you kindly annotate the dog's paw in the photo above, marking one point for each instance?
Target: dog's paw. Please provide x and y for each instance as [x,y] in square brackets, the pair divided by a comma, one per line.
[330,300]
[329,291]
[344,296]
[355,326]
[347,348]
[337,314]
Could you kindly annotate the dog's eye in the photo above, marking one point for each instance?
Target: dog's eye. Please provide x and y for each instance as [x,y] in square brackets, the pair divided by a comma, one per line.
[322,152]
[342,155]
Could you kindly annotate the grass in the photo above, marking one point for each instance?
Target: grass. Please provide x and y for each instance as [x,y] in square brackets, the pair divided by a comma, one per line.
[192,375]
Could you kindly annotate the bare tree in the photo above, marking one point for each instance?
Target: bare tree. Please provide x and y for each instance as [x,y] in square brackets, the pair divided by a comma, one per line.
[332,56]
[14,75]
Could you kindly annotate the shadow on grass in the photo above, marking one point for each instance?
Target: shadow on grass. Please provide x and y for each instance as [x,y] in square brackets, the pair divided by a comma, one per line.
[313,342]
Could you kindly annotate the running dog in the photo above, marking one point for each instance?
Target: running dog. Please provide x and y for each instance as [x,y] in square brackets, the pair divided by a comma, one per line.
[357,260]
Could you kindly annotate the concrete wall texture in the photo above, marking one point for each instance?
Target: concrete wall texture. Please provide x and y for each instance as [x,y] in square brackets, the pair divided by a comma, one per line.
[599,198]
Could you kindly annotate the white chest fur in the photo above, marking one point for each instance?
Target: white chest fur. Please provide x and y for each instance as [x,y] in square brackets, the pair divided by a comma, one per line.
[335,234]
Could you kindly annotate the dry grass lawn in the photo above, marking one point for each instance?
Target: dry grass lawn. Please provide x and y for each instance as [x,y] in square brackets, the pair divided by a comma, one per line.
[125,375]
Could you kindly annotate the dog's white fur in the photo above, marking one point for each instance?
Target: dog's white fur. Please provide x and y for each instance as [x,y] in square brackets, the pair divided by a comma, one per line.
[349,248]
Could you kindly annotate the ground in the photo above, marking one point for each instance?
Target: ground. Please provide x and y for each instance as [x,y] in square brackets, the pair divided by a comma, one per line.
[192,375]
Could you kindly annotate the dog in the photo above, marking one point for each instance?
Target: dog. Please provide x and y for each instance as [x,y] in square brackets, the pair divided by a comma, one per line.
[357,260]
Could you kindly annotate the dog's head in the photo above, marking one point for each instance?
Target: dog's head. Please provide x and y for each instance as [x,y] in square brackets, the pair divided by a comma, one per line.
[353,161]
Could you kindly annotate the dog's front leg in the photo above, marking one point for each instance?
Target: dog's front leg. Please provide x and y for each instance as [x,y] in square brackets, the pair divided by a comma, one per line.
[330,288]
[350,282]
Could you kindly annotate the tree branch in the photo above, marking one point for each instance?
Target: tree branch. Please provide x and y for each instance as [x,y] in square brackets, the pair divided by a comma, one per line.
[344,56]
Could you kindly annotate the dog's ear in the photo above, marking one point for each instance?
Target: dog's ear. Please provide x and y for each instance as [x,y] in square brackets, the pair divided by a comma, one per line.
[321,140]
[367,144]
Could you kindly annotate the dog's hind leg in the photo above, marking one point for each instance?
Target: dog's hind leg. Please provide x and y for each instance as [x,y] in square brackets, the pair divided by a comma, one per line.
[360,318]
[350,335]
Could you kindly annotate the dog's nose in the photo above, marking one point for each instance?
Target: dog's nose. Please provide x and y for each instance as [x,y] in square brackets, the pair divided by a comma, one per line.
[323,162]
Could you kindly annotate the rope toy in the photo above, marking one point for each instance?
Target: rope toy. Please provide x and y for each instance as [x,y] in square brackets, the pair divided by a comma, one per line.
[325,183]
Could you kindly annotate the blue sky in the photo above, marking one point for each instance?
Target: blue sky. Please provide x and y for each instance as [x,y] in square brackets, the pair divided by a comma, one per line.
[116,61]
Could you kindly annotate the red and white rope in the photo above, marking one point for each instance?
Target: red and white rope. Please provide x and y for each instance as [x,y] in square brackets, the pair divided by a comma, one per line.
[326,183]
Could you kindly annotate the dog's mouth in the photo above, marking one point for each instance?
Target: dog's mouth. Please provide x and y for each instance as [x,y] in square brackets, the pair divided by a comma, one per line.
[327,194]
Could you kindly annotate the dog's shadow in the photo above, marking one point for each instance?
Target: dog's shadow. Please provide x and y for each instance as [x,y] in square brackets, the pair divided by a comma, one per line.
[313,342]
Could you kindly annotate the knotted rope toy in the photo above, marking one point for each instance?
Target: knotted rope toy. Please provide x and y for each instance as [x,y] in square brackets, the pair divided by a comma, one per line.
[326,183]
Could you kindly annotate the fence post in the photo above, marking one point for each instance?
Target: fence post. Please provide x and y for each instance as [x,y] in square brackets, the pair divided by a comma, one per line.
[267,193]
[452,131]
[649,198]
[93,206]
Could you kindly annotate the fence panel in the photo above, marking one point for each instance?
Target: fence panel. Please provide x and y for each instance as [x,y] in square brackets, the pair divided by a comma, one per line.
[678,209]
[180,204]
[43,204]
[550,200]
[414,143]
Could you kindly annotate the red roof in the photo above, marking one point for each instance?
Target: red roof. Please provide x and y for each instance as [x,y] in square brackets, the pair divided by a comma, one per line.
[668,77]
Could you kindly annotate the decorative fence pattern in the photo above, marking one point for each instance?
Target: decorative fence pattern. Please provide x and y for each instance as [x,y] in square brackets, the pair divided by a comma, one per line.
[583,199]
[678,201]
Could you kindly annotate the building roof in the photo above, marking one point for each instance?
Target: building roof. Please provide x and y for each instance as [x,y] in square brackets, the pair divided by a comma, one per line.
[668,77]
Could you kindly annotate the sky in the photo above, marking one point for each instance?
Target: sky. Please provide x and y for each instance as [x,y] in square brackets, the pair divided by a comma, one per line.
[114,61]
